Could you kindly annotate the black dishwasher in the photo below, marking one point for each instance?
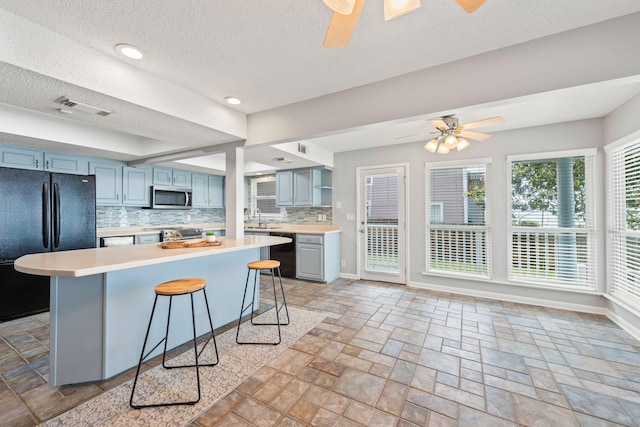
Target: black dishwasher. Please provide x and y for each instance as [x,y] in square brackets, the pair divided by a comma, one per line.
[286,254]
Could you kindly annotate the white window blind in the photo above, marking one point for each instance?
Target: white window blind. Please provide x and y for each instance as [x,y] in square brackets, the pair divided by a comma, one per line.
[262,193]
[552,226]
[457,238]
[624,223]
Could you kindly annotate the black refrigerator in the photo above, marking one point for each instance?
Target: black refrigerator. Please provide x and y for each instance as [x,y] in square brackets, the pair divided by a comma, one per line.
[40,212]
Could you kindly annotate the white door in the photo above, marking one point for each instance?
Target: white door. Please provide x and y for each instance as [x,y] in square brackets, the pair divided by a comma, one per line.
[382,224]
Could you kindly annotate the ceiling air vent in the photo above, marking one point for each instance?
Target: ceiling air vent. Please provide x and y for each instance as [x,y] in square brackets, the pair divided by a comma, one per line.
[282,159]
[77,105]
[302,148]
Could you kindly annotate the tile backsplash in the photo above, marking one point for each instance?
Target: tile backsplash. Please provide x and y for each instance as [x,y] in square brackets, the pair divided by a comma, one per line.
[120,216]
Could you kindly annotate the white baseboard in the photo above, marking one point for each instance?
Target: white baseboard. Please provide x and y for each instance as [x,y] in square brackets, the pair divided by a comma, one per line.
[512,298]
[348,276]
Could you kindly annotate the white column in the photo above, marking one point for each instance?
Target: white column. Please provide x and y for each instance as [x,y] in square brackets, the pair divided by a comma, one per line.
[234,191]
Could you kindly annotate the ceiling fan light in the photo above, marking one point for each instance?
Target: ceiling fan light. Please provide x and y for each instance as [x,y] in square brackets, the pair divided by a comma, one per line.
[443,149]
[432,145]
[451,140]
[462,144]
[343,7]
[395,8]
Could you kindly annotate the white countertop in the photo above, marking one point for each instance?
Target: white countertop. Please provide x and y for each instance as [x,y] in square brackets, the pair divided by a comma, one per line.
[276,228]
[85,262]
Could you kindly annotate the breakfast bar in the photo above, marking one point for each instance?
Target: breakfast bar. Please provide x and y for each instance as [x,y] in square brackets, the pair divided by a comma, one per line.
[101,299]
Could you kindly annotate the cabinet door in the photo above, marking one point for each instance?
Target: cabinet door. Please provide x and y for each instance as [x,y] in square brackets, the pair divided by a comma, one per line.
[310,263]
[136,186]
[56,162]
[199,187]
[284,188]
[108,183]
[302,188]
[216,191]
[181,179]
[20,158]
[162,176]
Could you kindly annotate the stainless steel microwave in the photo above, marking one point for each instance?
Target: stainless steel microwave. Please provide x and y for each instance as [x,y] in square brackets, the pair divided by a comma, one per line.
[170,197]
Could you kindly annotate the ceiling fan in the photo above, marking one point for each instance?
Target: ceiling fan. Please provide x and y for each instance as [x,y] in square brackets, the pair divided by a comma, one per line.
[346,14]
[451,134]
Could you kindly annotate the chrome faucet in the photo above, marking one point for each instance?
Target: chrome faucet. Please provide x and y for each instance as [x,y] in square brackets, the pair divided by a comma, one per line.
[257,210]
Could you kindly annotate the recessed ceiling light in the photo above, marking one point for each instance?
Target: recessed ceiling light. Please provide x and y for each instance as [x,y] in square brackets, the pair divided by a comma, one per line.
[129,51]
[232,100]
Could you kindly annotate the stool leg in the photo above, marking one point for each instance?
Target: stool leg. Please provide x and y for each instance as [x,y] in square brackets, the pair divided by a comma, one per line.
[242,307]
[284,301]
[142,356]
[166,335]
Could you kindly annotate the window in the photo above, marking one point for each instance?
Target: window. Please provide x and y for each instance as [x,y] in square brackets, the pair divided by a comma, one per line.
[624,223]
[552,228]
[263,195]
[457,231]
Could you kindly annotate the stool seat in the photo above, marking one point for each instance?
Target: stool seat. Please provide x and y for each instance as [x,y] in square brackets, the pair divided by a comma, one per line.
[263,264]
[180,286]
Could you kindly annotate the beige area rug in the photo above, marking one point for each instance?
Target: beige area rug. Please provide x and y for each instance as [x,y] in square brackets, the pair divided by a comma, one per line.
[237,363]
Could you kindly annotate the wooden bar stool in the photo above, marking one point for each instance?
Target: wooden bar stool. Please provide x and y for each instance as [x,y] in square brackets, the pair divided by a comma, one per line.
[256,267]
[171,289]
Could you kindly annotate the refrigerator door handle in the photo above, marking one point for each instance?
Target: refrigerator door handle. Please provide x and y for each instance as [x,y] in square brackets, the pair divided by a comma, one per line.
[45,214]
[56,215]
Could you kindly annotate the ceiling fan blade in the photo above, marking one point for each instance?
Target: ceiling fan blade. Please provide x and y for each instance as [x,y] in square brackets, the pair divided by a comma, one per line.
[473,135]
[470,6]
[438,123]
[416,134]
[481,123]
[341,27]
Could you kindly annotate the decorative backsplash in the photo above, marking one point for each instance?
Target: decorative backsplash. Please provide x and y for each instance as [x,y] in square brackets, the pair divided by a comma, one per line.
[116,216]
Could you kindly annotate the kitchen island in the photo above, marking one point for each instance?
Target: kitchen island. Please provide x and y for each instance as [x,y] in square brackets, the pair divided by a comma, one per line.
[101,300]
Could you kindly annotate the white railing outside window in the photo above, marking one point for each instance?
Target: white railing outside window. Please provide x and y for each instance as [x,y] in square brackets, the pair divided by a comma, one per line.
[457,231]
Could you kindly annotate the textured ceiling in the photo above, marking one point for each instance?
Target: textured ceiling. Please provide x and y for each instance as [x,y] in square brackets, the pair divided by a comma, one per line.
[269,53]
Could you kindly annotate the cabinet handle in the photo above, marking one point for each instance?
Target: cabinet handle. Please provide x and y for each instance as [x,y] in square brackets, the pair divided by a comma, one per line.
[37,163]
[124,197]
[117,196]
[47,165]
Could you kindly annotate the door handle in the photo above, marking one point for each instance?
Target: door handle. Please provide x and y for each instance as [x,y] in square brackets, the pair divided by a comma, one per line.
[46,211]
[362,230]
[56,215]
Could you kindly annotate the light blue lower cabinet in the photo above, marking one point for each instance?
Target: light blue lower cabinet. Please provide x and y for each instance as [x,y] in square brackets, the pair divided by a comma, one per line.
[318,257]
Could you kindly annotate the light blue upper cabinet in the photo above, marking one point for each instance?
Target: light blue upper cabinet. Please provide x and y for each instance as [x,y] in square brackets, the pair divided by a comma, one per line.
[20,158]
[162,176]
[64,163]
[171,177]
[181,179]
[284,188]
[302,187]
[208,191]
[136,186]
[108,182]
[216,191]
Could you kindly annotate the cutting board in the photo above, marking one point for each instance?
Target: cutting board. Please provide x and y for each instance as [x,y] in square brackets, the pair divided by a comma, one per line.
[188,244]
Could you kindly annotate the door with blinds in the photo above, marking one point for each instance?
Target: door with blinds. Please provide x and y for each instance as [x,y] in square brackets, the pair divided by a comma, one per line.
[382,224]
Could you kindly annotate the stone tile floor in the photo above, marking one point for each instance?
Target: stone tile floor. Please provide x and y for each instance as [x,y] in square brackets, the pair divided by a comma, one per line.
[388,355]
